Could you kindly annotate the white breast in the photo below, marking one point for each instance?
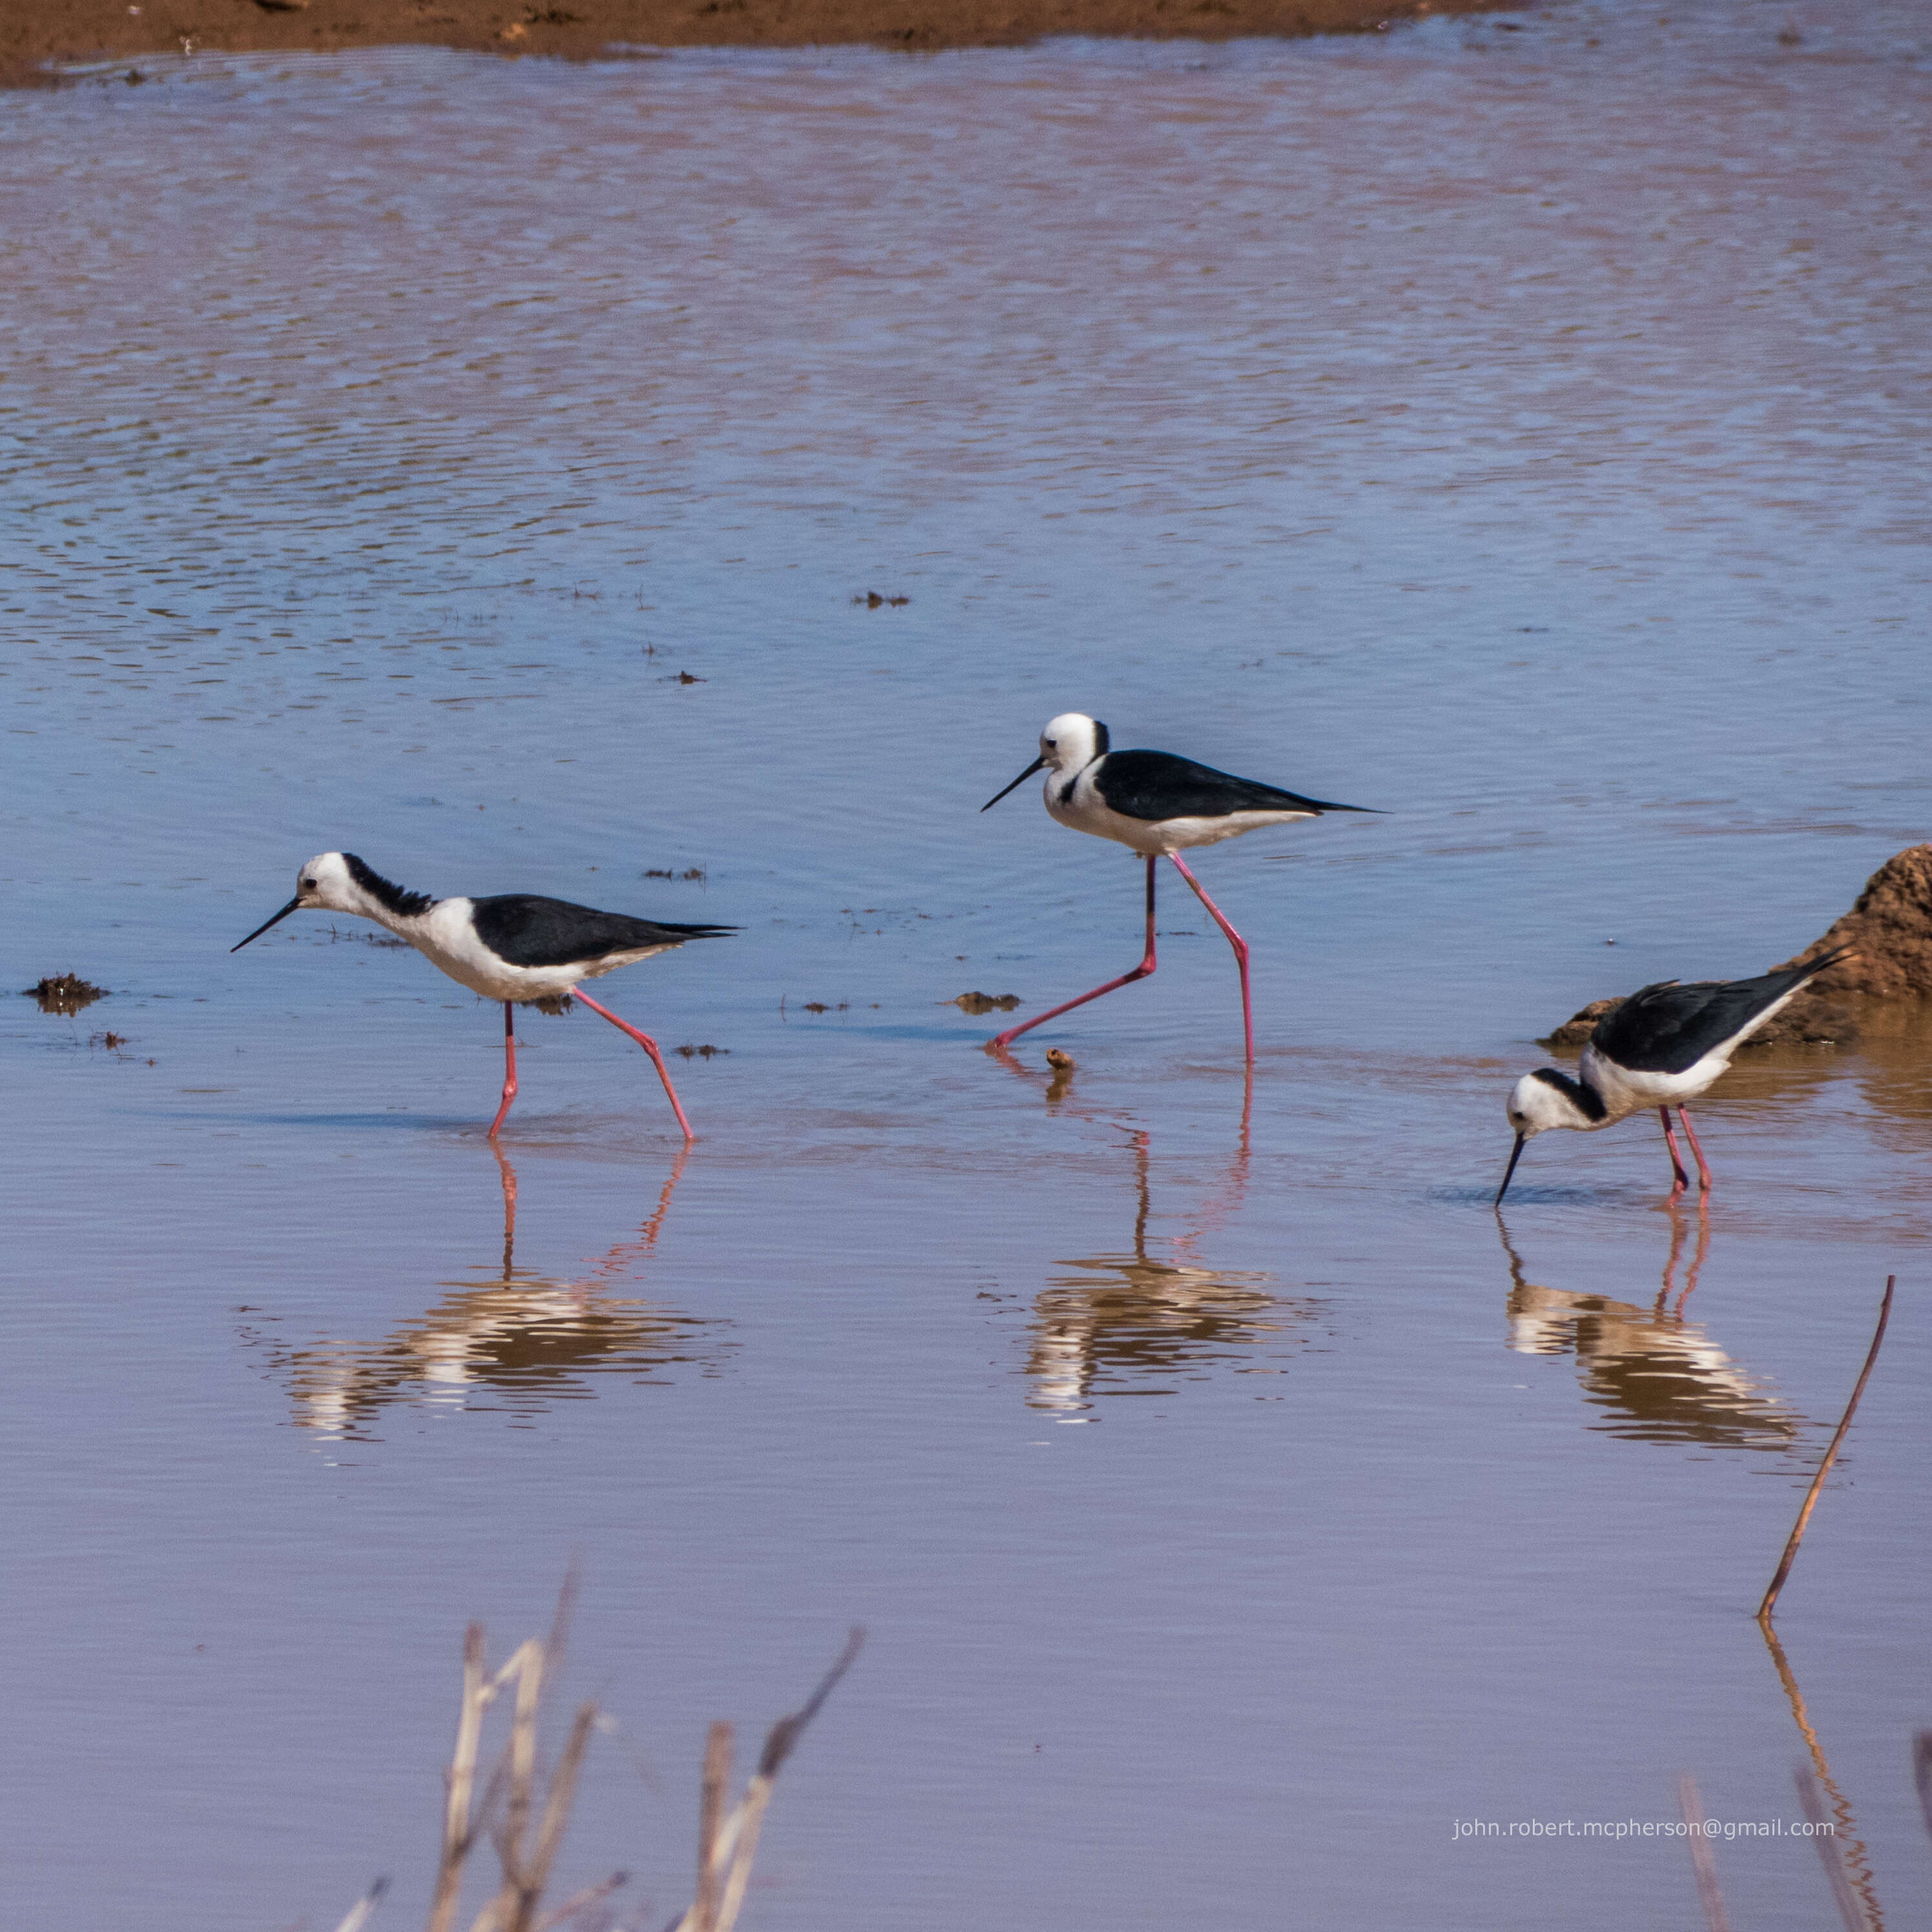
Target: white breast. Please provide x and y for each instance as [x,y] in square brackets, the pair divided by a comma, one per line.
[1625,1090]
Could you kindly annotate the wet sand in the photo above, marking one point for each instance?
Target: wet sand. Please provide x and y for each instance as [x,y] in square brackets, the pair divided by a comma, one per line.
[33,37]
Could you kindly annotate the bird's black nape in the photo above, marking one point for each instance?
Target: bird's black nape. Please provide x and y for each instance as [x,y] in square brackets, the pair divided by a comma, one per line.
[391,897]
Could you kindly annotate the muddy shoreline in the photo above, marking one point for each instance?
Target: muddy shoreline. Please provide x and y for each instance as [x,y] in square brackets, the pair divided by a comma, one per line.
[38,36]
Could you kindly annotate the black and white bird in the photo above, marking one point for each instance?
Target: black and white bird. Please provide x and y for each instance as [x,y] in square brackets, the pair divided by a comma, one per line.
[1665,1044]
[515,947]
[1157,806]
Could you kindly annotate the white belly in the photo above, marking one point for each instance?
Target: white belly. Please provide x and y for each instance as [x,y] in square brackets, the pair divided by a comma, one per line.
[1086,811]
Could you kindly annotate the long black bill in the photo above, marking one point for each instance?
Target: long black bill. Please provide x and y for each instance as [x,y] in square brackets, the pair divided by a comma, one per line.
[292,905]
[1516,1154]
[1036,766]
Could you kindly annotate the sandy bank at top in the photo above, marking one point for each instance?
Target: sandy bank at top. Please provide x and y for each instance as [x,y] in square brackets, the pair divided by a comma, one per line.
[35,33]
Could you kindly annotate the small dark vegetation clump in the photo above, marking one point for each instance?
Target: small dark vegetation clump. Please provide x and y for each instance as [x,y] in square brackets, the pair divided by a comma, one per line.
[64,993]
[984,1003]
[695,872]
[688,1052]
[873,600]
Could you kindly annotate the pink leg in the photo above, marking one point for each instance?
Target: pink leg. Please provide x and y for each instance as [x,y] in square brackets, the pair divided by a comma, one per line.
[649,1045]
[1140,972]
[1235,939]
[509,1068]
[1703,1172]
[1676,1164]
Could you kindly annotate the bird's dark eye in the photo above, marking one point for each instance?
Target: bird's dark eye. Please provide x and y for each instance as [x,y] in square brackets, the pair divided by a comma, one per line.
[308,885]
[1053,744]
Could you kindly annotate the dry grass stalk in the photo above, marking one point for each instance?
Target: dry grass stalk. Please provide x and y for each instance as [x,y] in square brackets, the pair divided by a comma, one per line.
[711,1789]
[727,1844]
[1703,1860]
[734,1848]
[458,1833]
[1811,1802]
[1797,1536]
[358,1915]
[1921,1774]
[524,1881]
[581,1901]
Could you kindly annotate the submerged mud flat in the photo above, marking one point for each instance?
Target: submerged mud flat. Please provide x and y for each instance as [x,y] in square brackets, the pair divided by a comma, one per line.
[473,464]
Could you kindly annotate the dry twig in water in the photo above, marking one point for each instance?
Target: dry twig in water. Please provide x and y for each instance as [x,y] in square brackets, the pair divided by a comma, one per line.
[1790,1556]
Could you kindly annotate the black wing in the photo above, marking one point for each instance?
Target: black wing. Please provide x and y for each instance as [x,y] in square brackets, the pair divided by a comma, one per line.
[530,931]
[1154,785]
[1667,1028]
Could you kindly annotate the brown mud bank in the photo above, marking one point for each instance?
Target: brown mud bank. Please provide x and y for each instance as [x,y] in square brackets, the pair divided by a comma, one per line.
[1890,926]
[38,35]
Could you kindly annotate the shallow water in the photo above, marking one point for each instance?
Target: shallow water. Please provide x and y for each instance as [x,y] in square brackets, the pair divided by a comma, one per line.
[1520,430]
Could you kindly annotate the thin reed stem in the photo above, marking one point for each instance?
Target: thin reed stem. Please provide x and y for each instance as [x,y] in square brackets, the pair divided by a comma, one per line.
[358,1915]
[458,1835]
[1797,1536]
[711,1792]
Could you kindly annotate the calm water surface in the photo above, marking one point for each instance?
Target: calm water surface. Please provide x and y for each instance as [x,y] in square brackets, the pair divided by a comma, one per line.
[474,466]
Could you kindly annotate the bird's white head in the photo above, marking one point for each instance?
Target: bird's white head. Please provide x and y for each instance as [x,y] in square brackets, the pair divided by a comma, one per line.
[326,884]
[1070,743]
[1538,1102]
[340,882]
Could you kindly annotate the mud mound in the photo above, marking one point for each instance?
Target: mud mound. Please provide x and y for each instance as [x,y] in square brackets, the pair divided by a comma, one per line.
[1891,926]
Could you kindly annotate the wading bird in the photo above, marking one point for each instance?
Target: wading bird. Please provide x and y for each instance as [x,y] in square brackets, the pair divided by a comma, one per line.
[520,950]
[1665,1045]
[1157,806]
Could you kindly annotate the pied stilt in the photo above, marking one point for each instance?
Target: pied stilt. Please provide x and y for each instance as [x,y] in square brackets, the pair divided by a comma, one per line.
[1665,1045]
[1156,804]
[523,950]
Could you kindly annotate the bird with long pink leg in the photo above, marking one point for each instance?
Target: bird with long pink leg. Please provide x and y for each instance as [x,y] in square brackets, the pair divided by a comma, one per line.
[1158,806]
[514,947]
[1666,1044]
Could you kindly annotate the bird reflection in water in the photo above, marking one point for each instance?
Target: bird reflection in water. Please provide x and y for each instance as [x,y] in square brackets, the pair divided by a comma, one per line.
[1655,1377]
[1141,1324]
[515,1342]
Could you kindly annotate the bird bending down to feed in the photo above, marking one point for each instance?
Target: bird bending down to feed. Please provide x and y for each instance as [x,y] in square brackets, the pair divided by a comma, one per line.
[1665,1045]
[1156,804]
[523,950]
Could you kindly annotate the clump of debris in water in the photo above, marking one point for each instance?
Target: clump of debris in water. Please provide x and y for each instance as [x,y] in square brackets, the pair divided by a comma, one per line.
[984,1003]
[64,993]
